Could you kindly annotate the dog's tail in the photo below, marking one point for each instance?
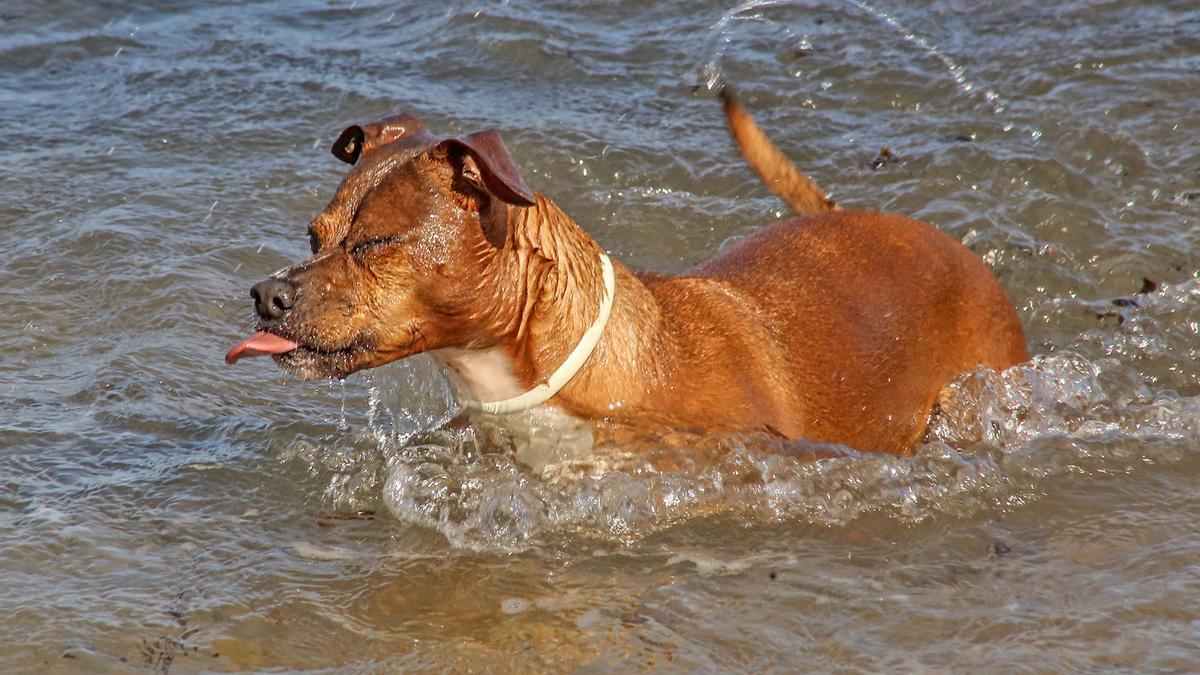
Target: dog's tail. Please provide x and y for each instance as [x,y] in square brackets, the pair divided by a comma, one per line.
[781,176]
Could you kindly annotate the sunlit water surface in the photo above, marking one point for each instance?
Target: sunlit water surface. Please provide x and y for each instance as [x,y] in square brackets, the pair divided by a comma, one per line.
[159,511]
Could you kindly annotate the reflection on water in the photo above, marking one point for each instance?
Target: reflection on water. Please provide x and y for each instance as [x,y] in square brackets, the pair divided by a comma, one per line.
[160,512]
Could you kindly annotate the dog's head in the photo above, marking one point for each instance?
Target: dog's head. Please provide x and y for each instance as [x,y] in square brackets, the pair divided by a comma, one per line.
[405,256]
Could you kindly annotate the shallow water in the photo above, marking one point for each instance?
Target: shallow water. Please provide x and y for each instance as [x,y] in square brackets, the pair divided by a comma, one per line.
[161,511]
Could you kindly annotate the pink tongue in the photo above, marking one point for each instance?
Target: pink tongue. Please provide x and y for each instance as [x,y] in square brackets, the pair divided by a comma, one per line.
[259,344]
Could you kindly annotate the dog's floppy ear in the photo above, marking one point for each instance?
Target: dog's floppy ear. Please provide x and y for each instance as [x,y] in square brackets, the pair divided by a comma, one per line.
[492,168]
[355,141]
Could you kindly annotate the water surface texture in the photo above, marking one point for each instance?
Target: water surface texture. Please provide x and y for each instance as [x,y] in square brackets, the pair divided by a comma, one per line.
[160,511]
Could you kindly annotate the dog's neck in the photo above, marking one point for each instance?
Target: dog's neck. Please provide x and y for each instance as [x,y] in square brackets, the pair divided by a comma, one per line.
[545,289]
[557,266]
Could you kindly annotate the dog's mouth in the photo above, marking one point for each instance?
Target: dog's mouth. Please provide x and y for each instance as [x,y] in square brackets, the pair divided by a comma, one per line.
[261,343]
[310,362]
[307,362]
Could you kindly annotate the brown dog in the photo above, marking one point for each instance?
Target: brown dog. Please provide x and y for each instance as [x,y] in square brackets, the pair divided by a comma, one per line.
[841,326]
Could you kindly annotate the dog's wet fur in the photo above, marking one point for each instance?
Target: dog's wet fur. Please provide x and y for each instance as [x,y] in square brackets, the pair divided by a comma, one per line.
[837,326]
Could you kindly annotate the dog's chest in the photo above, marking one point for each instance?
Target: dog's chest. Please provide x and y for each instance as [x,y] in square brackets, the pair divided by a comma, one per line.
[541,437]
[480,374]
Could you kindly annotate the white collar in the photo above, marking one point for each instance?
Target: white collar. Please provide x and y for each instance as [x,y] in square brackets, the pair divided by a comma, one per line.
[569,368]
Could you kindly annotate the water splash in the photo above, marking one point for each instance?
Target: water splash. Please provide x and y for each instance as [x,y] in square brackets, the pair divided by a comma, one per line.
[412,397]
[996,443]
[403,400]
[957,72]
[720,37]
[342,424]
[719,34]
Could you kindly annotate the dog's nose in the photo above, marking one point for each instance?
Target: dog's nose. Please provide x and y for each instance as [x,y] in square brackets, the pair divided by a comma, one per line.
[273,297]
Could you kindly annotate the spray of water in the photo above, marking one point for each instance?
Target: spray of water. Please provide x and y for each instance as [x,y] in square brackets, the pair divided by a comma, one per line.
[721,36]
[992,446]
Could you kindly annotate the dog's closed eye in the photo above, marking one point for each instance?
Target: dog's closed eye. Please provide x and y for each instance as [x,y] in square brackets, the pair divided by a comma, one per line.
[361,248]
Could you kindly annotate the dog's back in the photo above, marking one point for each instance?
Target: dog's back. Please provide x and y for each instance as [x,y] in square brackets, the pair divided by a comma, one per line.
[857,319]
[875,314]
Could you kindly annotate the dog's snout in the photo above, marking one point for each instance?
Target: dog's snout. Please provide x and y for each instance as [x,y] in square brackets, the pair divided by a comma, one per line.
[273,297]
